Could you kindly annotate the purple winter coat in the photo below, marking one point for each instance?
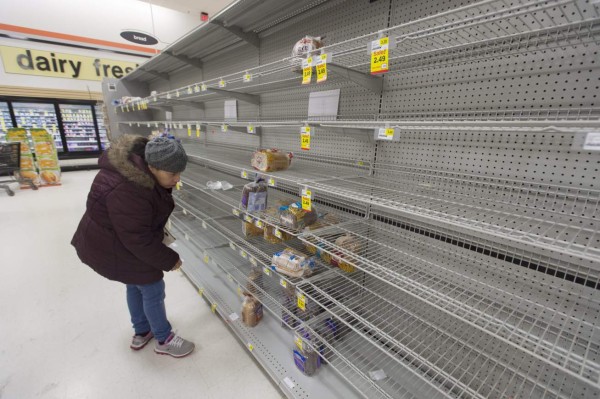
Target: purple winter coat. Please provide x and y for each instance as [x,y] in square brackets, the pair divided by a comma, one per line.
[120,235]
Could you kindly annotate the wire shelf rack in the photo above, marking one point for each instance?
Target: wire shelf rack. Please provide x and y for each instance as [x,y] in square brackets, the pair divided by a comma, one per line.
[558,331]
[559,218]
[453,359]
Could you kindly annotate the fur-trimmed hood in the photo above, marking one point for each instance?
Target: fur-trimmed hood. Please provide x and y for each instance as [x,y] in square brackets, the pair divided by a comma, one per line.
[121,157]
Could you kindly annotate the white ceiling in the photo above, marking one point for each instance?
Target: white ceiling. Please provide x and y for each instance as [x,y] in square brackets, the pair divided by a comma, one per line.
[212,7]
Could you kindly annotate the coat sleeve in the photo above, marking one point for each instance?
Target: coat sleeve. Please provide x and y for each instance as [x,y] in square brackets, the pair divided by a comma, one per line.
[131,217]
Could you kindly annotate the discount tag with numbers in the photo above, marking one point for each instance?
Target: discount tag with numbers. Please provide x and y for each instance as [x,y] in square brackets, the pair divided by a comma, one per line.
[298,341]
[307,70]
[305,138]
[306,199]
[380,55]
[301,301]
[321,68]
[385,133]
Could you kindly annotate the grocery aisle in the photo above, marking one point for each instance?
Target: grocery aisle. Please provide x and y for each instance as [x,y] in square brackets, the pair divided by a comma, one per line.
[65,330]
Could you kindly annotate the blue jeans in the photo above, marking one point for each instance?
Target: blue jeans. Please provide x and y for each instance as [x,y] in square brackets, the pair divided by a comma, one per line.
[147,309]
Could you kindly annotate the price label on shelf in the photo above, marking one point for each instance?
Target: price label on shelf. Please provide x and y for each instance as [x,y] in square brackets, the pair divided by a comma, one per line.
[239,291]
[322,68]
[259,224]
[168,96]
[253,262]
[213,307]
[232,245]
[592,141]
[244,174]
[187,237]
[250,129]
[278,234]
[250,347]
[385,133]
[154,98]
[177,94]
[233,317]
[283,283]
[305,138]
[204,225]
[267,271]
[198,131]
[178,185]
[201,291]
[222,83]
[271,182]
[206,259]
[184,211]
[248,218]
[301,301]
[189,127]
[380,55]
[196,89]
[298,341]
[181,125]
[243,254]
[236,212]
[127,107]
[189,90]
[306,70]
[306,199]
[223,128]
[203,87]
[247,77]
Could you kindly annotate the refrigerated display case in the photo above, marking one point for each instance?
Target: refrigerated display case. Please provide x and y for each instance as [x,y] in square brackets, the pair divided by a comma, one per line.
[38,115]
[79,127]
[5,120]
[102,133]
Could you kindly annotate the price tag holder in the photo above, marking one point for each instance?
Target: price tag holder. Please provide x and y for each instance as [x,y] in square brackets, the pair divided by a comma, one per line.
[224,128]
[229,277]
[236,212]
[380,55]
[278,234]
[243,254]
[248,218]
[232,245]
[267,271]
[187,237]
[222,83]
[177,94]
[247,77]
[592,141]
[184,211]
[306,199]
[251,129]
[201,291]
[305,134]
[322,68]
[250,347]
[307,70]
[198,131]
[253,262]
[244,174]
[301,301]
[203,87]
[271,182]
[283,283]
[168,96]
[385,133]
[233,317]
[178,185]
[213,308]
[189,127]
[259,224]
[204,225]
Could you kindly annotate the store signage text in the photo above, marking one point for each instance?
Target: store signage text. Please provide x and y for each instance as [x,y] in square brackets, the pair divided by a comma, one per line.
[139,37]
[59,65]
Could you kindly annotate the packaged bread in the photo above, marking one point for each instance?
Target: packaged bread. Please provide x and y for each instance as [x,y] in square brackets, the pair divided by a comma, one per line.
[274,235]
[293,263]
[294,217]
[252,311]
[306,358]
[318,252]
[350,243]
[254,196]
[251,230]
[271,160]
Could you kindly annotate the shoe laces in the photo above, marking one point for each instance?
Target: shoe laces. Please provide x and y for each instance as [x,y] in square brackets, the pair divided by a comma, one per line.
[176,341]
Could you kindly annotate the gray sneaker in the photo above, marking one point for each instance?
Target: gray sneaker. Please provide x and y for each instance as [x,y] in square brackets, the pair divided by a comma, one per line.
[138,341]
[175,346]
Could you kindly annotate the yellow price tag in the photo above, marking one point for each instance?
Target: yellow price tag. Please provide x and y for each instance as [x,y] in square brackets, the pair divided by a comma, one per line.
[198,131]
[380,55]
[223,128]
[271,182]
[239,291]
[189,131]
[259,224]
[248,218]
[267,271]
[306,70]
[213,308]
[278,234]
[385,133]
[305,138]
[206,259]
[306,199]
[247,78]
[244,254]
[244,174]
[322,68]
[196,89]
[251,129]
[178,186]
[222,83]
[250,347]
[189,90]
[283,283]
[236,212]
[204,87]
[298,341]
[201,291]
[301,302]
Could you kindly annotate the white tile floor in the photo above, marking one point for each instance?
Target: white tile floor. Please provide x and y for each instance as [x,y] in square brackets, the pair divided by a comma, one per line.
[65,331]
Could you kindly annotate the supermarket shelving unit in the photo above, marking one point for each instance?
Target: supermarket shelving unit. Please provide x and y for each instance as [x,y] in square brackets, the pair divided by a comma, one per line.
[477,273]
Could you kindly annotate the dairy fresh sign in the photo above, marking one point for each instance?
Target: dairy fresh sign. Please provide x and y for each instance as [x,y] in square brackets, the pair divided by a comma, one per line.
[59,65]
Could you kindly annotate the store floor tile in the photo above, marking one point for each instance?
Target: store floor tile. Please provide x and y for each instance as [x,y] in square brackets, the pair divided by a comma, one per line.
[65,330]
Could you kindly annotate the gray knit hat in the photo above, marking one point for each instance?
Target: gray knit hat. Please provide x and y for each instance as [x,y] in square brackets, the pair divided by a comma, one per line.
[166,154]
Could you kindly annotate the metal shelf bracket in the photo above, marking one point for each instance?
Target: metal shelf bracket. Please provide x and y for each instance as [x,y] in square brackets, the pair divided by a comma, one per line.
[372,83]
[195,62]
[251,38]
[249,98]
